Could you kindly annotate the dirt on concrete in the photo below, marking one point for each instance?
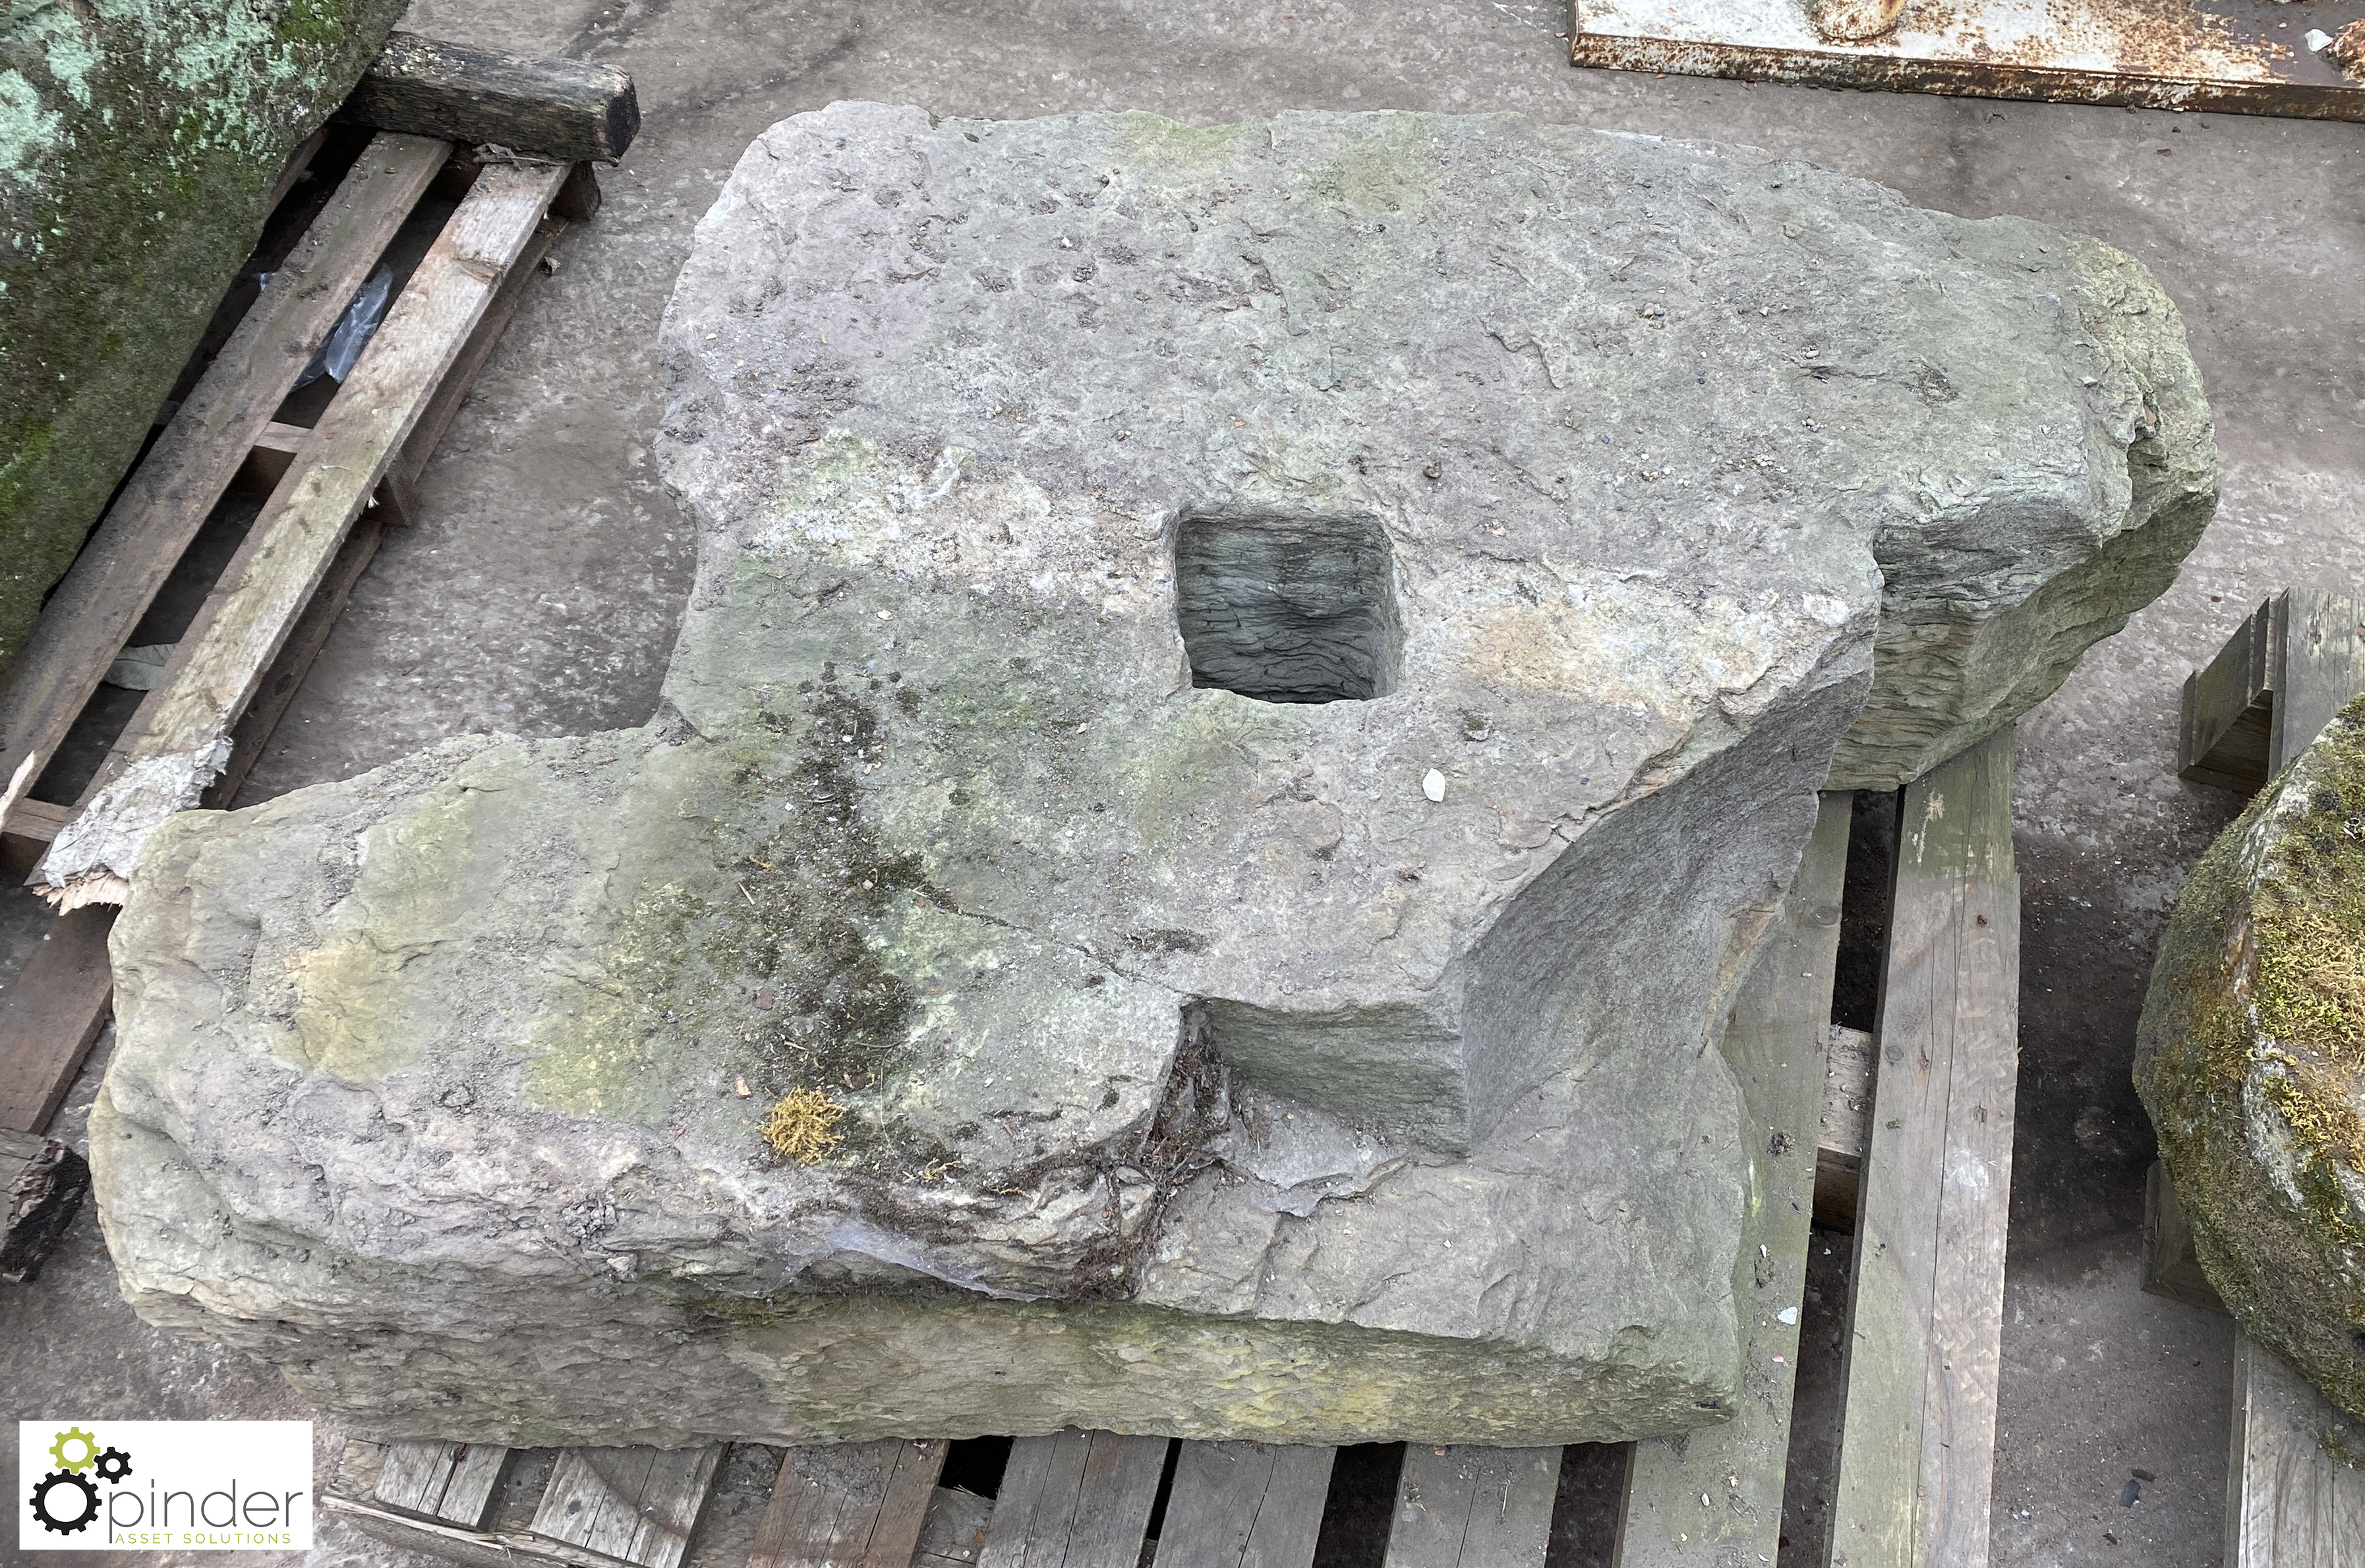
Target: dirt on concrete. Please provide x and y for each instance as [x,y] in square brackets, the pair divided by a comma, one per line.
[540,590]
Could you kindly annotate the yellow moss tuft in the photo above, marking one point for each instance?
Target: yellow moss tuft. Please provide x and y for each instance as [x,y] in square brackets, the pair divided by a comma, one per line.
[802,1126]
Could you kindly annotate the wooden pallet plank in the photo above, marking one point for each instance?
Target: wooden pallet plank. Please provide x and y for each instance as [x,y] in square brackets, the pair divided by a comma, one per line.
[1698,1499]
[679,1483]
[150,522]
[440,1479]
[2319,667]
[637,1505]
[1846,1125]
[2170,1266]
[26,830]
[1926,1304]
[306,640]
[461,380]
[2227,716]
[481,1548]
[216,670]
[1240,1504]
[1473,1508]
[2291,1503]
[565,110]
[1074,1499]
[593,1495]
[849,1505]
[52,1017]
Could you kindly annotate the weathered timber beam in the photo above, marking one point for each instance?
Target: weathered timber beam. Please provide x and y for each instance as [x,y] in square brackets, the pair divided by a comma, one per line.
[560,109]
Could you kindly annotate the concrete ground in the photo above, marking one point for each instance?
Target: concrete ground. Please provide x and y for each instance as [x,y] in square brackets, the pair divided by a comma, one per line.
[539,592]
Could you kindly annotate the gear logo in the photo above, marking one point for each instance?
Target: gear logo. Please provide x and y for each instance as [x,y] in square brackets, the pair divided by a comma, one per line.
[74,1449]
[173,1486]
[65,1501]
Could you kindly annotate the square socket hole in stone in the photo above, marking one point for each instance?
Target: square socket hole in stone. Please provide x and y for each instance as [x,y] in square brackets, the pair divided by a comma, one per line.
[1288,609]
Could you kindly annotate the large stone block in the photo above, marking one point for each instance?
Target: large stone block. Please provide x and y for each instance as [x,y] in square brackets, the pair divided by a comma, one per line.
[2251,1060]
[138,141]
[1250,694]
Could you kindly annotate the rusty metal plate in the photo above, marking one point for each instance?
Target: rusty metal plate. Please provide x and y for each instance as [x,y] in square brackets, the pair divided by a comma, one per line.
[2243,56]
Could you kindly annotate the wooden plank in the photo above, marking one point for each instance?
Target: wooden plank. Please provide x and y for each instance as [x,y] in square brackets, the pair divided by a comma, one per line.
[160,509]
[2228,711]
[2319,667]
[2293,1502]
[1245,1505]
[440,1480]
[1926,1304]
[460,381]
[578,200]
[482,1548]
[219,664]
[1845,1126]
[298,161]
[636,1504]
[1074,1500]
[1473,1508]
[42,1184]
[563,110]
[310,635]
[52,1017]
[1700,1498]
[849,1505]
[26,833]
[2171,1267]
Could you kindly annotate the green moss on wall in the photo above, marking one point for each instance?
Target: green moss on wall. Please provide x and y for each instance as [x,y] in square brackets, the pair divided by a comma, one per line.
[139,143]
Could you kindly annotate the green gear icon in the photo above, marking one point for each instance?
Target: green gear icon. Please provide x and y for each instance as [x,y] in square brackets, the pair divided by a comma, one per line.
[89,1450]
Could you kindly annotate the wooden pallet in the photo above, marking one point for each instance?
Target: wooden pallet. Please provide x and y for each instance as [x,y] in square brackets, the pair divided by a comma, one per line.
[1916,1133]
[2297,661]
[329,491]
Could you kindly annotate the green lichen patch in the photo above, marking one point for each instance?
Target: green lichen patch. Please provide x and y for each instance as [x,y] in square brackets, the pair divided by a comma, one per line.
[770,963]
[837,1017]
[2251,1060]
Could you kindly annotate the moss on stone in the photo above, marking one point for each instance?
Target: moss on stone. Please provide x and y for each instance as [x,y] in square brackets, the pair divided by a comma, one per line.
[139,143]
[2251,1060]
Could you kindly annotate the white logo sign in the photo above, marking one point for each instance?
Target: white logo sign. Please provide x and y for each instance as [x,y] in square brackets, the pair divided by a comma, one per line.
[186,1485]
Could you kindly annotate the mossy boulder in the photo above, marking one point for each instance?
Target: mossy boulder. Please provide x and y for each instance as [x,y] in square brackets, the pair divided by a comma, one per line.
[139,143]
[2251,1060]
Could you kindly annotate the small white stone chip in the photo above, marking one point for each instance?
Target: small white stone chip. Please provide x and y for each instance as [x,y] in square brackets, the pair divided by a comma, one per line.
[1787,1314]
[2316,38]
[1434,785]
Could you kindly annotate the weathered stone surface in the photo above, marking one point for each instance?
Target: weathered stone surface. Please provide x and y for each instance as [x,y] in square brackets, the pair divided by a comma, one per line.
[2251,1060]
[1250,694]
[138,141]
